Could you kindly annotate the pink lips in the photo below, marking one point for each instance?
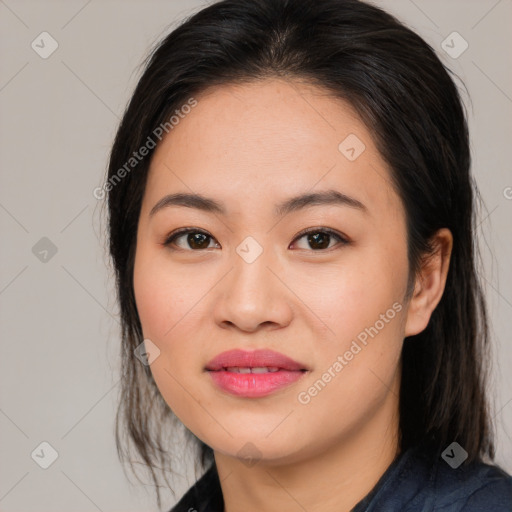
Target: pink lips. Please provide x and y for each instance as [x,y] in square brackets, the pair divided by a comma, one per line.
[273,371]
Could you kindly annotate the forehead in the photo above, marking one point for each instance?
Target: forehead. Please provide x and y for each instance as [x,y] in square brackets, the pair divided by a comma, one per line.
[268,140]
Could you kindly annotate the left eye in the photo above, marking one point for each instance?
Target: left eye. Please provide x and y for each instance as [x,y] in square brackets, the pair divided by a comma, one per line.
[318,239]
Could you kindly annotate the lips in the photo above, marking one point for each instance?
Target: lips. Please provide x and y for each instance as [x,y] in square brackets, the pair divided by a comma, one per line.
[254,359]
[253,374]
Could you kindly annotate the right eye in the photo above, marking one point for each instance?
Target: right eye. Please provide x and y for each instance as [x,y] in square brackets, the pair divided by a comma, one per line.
[196,239]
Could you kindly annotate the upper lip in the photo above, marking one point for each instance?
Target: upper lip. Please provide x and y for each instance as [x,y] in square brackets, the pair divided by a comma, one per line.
[253,359]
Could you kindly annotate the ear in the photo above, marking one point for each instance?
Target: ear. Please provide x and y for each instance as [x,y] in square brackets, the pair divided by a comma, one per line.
[429,284]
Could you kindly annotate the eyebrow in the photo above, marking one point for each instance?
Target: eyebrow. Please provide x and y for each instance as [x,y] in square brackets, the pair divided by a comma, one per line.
[293,204]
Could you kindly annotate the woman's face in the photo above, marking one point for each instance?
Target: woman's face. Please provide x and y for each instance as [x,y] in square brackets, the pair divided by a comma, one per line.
[253,281]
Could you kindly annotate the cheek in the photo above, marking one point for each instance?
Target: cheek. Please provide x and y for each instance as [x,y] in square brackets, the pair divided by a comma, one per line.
[162,306]
[350,296]
[160,299]
[348,401]
[356,374]
[168,303]
[150,302]
[360,303]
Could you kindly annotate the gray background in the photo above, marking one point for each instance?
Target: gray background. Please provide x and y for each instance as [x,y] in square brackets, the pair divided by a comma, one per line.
[59,330]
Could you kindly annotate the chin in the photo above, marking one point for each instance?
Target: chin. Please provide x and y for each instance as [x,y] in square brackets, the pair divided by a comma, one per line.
[251,450]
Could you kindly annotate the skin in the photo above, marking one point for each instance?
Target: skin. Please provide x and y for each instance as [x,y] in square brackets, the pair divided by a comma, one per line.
[249,147]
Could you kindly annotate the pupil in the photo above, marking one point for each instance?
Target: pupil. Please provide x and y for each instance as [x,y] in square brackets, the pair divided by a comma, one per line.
[195,240]
[319,238]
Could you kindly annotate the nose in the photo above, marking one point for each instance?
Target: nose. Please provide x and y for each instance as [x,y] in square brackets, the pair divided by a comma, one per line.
[253,295]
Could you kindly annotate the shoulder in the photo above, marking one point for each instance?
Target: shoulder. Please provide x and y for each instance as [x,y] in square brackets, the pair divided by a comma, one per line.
[418,481]
[475,487]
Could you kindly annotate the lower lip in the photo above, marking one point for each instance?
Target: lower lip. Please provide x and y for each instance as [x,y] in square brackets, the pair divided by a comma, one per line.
[254,385]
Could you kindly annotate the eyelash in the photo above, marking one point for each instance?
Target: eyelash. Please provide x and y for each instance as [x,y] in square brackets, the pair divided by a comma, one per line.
[184,231]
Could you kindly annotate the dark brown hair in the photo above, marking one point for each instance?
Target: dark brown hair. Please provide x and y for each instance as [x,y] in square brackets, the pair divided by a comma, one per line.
[411,105]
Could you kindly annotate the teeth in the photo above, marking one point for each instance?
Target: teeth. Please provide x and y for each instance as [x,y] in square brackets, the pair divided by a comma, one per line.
[263,369]
[260,369]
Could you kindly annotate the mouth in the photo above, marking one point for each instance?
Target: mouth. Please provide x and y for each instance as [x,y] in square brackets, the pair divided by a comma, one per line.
[248,369]
[253,360]
[254,374]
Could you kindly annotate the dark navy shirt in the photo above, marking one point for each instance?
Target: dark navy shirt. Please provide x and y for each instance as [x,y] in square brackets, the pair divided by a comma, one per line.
[414,482]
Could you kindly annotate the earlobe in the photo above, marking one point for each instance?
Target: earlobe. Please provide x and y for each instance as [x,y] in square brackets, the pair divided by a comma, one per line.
[430,283]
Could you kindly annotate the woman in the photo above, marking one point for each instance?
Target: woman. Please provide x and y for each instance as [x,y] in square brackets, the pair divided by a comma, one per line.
[291,219]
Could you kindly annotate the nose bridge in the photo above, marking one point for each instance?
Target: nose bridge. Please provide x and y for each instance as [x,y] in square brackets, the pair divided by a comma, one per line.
[251,277]
[251,294]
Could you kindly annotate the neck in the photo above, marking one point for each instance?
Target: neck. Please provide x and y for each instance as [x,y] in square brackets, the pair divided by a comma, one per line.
[333,479]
